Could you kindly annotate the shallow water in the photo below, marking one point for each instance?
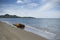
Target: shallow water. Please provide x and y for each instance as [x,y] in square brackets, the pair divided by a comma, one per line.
[46,27]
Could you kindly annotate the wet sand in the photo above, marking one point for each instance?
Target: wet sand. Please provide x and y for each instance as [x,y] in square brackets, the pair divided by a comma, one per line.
[8,32]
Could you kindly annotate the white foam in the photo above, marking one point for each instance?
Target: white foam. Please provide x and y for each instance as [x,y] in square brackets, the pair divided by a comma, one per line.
[9,23]
[42,33]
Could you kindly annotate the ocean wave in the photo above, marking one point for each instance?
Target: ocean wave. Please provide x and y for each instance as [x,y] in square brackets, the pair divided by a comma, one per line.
[43,33]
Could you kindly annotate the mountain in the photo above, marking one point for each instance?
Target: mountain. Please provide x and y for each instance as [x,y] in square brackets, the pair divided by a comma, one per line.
[12,16]
[8,16]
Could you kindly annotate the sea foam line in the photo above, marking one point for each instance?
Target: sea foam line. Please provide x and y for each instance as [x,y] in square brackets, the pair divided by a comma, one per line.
[8,23]
[43,33]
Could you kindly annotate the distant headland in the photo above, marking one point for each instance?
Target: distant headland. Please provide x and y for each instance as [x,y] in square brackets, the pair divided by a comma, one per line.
[12,16]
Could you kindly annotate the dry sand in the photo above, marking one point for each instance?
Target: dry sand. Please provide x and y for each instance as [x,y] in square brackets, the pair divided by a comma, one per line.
[7,32]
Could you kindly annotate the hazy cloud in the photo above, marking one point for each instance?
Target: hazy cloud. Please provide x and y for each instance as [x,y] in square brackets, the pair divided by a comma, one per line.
[19,1]
[44,8]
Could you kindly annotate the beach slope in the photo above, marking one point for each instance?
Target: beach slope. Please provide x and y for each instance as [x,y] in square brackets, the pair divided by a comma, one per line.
[7,32]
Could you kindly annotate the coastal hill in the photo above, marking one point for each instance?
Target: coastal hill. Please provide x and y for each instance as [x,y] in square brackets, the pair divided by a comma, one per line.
[12,16]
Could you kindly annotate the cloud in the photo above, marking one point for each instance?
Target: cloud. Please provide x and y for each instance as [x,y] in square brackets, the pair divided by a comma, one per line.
[44,4]
[46,9]
[48,6]
[23,1]
[28,3]
[19,1]
[32,5]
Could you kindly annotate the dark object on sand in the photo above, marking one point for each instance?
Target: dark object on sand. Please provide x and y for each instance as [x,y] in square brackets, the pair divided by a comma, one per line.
[19,26]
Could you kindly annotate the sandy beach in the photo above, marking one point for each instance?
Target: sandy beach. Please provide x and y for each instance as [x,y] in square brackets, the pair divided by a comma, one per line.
[7,32]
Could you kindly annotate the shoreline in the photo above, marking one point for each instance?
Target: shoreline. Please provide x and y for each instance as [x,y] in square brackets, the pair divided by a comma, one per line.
[9,32]
[43,33]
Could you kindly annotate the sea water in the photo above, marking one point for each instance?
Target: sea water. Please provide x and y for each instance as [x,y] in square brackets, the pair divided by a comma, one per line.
[45,27]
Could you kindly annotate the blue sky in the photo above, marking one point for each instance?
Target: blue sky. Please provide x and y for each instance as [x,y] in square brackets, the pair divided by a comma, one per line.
[33,8]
